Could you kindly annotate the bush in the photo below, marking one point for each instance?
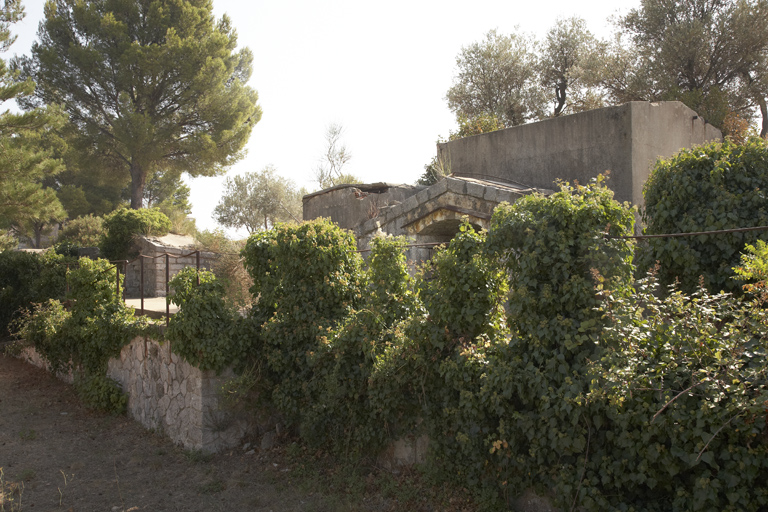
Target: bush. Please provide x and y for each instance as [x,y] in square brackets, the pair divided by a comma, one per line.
[124,225]
[506,414]
[83,339]
[207,332]
[27,278]
[8,242]
[85,231]
[681,391]
[754,270]
[712,187]
[228,267]
[308,278]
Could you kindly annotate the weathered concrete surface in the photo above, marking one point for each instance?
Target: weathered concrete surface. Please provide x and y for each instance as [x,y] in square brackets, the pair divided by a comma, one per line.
[625,140]
[179,247]
[351,205]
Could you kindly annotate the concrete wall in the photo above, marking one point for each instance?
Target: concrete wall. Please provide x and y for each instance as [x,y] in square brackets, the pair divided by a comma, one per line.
[626,140]
[351,205]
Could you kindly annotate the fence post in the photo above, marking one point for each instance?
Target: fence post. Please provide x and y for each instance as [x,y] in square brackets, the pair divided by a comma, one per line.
[141,282]
[167,290]
[117,281]
[125,273]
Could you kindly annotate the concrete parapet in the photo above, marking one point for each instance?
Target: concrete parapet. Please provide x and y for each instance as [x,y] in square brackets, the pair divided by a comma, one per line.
[625,140]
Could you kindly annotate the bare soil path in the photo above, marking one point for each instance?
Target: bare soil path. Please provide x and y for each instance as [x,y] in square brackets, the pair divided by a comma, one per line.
[70,459]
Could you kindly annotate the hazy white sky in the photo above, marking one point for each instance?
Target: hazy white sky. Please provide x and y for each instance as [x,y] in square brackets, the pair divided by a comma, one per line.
[379,69]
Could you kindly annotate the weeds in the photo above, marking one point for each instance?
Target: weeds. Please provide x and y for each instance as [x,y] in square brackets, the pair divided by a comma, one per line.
[28,434]
[27,475]
[198,456]
[213,487]
[61,493]
[10,494]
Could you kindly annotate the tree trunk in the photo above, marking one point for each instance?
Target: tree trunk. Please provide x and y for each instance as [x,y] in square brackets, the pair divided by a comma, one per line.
[138,181]
[38,231]
[560,91]
[764,113]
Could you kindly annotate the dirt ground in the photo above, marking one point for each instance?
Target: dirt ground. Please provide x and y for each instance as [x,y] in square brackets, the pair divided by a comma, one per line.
[70,459]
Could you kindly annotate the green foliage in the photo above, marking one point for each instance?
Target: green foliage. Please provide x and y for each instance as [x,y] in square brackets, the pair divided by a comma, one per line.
[85,231]
[506,416]
[554,251]
[258,200]
[598,395]
[228,266]
[343,412]
[465,289]
[754,268]
[124,225]
[101,393]
[308,278]
[83,339]
[709,55]
[681,389]
[27,278]
[713,187]
[26,147]
[207,332]
[8,242]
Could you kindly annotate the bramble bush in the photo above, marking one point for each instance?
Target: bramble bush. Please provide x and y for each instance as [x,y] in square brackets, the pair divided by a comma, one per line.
[682,388]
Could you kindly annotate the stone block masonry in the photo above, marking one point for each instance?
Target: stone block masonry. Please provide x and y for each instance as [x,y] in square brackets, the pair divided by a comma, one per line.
[167,394]
[170,395]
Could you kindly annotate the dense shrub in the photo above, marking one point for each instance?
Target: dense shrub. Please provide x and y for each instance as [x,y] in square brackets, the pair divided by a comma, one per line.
[124,225]
[308,278]
[28,278]
[84,338]
[510,416]
[207,332]
[343,413]
[712,187]
[526,354]
[682,389]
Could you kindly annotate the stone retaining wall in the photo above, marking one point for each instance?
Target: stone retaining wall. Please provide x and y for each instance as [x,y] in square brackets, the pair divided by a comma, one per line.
[167,394]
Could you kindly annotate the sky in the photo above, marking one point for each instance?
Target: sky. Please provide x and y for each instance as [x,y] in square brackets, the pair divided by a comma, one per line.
[381,70]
